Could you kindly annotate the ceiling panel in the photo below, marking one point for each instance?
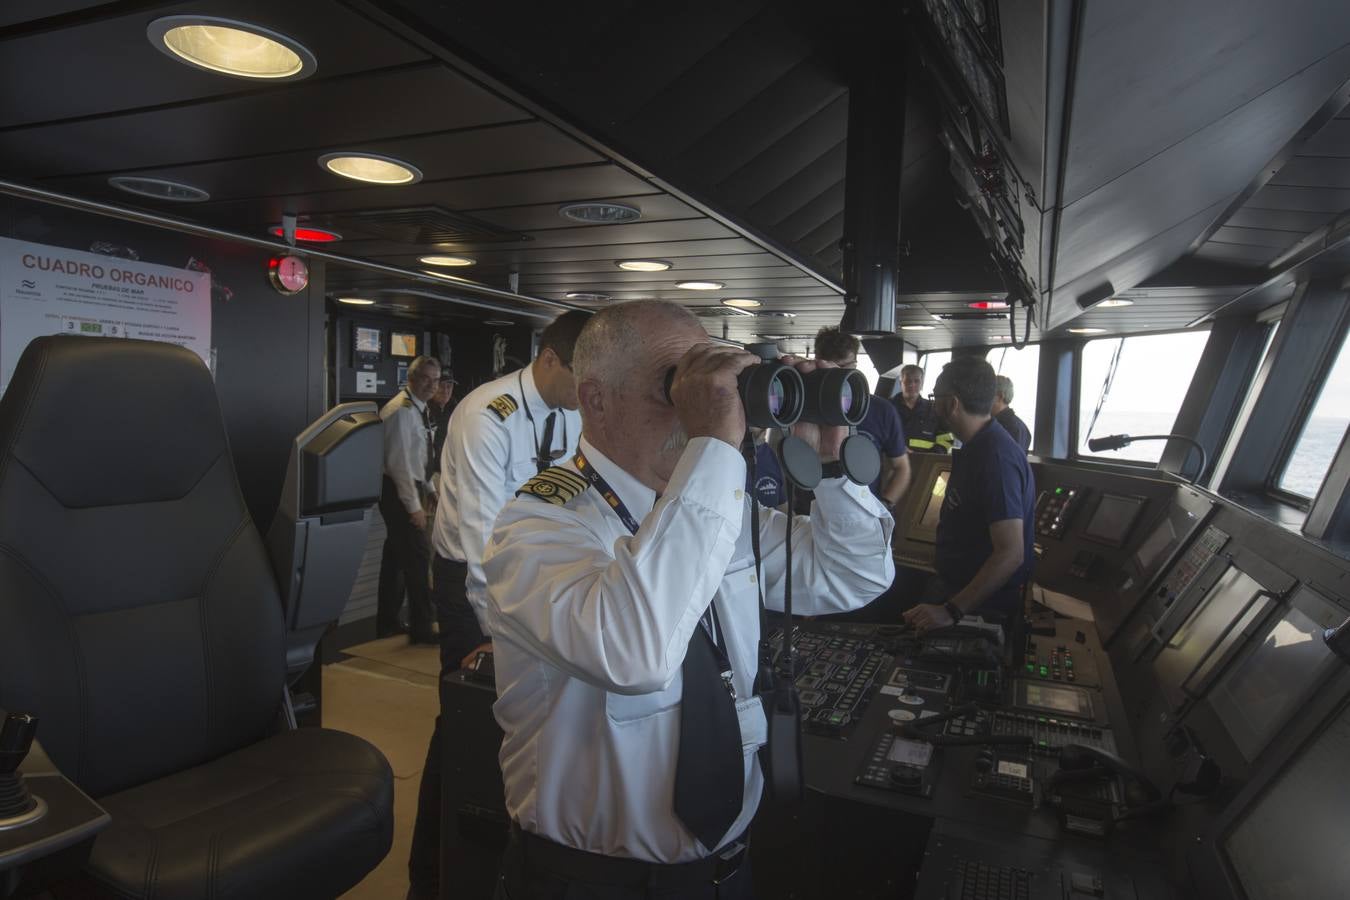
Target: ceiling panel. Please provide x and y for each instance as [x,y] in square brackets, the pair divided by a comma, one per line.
[1315,171]
[308,115]
[654,208]
[123,71]
[1310,199]
[16,12]
[1299,222]
[1255,237]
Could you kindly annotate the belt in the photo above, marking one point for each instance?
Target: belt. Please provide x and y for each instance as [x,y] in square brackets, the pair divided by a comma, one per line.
[617,871]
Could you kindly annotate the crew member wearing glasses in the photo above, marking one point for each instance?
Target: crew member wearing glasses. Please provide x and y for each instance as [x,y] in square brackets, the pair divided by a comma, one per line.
[986,528]
[502,434]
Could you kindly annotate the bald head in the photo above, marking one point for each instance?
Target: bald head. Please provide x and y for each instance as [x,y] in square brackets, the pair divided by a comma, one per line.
[617,340]
[621,361]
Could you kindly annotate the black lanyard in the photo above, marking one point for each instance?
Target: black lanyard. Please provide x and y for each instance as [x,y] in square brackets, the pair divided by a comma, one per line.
[712,627]
[543,456]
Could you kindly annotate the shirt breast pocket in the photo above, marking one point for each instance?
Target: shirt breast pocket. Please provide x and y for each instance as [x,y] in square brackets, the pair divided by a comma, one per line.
[627,709]
[522,472]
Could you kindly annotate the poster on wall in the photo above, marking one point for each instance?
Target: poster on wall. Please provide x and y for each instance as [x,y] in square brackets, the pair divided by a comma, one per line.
[52,290]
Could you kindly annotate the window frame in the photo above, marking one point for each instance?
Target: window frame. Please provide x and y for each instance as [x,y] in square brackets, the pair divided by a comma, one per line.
[1311,395]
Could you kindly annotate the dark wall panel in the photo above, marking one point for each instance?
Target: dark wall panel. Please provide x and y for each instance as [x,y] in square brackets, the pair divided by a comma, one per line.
[269,347]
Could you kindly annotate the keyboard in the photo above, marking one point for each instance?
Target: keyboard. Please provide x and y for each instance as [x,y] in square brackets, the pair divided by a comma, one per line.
[982,881]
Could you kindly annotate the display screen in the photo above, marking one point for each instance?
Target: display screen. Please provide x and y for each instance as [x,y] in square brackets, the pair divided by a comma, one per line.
[368,340]
[926,528]
[910,753]
[1226,601]
[1290,844]
[1262,689]
[1052,698]
[1160,543]
[401,344]
[1113,518]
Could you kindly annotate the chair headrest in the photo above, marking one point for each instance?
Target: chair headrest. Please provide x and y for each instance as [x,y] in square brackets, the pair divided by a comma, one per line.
[105,422]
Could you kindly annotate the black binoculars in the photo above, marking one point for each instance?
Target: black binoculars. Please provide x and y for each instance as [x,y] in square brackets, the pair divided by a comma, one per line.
[775,395]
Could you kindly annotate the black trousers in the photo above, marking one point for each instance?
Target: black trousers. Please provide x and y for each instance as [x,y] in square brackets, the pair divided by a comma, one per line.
[459,634]
[408,548]
[563,874]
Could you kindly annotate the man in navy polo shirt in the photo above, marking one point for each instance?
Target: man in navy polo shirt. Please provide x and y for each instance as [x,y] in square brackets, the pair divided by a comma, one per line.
[985,529]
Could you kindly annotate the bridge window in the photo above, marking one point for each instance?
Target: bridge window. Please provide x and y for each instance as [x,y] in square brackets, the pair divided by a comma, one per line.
[1320,437]
[932,364]
[1023,367]
[1135,385]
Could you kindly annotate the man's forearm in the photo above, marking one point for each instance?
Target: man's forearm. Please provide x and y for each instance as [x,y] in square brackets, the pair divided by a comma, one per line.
[991,576]
[896,484]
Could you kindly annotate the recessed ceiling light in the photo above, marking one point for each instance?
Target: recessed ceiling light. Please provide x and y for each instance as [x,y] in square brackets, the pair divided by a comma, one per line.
[231,47]
[159,188]
[988,304]
[1114,302]
[586,295]
[371,168]
[308,233]
[1087,331]
[776,315]
[917,327]
[446,260]
[700,285]
[742,303]
[356,301]
[596,213]
[999,337]
[499,323]
[644,265]
[775,337]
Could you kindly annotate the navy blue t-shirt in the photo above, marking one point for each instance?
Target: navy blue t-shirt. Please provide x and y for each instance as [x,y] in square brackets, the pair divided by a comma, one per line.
[765,484]
[991,481]
[882,427]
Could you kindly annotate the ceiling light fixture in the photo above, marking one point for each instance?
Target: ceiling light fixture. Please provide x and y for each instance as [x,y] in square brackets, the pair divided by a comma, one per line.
[372,168]
[988,304]
[230,47]
[158,188]
[700,285]
[742,303]
[644,265]
[586,295]
[593,212]
[1114,302]
[446,261]
[356,301]
[917,327]
[308,233]
[499,323]
[1087,331]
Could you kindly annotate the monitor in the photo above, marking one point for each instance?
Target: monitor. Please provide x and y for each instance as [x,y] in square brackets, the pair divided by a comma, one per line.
[1157,546]
[925,526]
[367,342]
[1262,689]
[1290,843]
[401,343]
[1113,518]
[1211,620]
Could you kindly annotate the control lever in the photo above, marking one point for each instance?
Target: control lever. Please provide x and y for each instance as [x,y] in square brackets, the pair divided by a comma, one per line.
[16,739]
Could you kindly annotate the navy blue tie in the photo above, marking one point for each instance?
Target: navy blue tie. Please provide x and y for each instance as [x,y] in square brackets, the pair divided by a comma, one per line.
[710,773]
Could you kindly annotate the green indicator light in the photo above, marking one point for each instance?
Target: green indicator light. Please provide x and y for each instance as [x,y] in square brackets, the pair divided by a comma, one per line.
[1031,668]
[1044,671]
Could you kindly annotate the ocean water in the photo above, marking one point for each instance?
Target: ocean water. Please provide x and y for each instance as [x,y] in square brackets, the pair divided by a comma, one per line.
[1307,466]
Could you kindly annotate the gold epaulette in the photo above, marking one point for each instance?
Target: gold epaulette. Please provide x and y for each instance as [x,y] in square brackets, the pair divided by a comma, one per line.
[555,485]
[503,406]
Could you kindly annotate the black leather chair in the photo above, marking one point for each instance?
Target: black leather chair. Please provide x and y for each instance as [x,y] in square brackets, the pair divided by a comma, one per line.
[140,619]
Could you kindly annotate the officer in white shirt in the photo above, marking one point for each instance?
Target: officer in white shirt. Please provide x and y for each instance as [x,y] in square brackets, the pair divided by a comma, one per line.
[624,610]
[403,504]
[501,435]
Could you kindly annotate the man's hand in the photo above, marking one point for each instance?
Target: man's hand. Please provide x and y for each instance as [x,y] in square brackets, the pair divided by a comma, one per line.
[419,519]
[824,439]
[927,616]
[706,395]
[468,659]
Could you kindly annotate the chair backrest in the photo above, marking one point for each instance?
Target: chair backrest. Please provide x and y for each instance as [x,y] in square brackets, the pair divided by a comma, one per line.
[319,533]
[138,612]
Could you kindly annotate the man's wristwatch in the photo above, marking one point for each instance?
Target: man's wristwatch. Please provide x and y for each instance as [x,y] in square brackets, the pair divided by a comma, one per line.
[953,610]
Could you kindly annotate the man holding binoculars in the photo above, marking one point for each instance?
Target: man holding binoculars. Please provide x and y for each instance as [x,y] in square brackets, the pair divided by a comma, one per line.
[624,604]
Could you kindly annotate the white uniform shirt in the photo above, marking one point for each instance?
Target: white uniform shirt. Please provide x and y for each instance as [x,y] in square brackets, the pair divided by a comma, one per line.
[489,452]
[406,436]
[590,626]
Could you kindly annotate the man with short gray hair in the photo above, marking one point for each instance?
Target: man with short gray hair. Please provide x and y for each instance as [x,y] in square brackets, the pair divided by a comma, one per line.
[623,601]
[1004,415]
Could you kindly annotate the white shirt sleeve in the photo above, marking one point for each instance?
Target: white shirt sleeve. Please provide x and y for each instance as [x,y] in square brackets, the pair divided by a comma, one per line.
[841,553]
[482,449]
[619,616]
[401,455]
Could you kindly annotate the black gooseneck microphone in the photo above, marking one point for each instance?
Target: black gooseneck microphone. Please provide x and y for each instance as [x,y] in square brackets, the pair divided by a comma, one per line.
[1117,441]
